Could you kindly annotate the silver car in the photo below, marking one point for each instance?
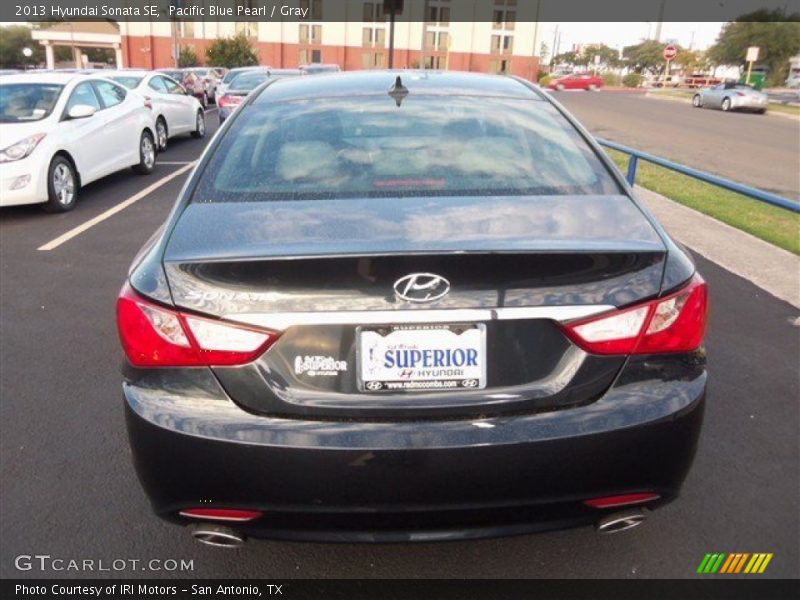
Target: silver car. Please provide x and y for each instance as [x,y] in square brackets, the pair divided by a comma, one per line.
[731,96]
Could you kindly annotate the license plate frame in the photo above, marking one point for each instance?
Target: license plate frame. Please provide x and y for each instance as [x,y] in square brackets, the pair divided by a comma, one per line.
[373,378]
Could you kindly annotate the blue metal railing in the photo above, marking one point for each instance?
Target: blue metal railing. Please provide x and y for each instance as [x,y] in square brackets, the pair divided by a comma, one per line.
[746,190]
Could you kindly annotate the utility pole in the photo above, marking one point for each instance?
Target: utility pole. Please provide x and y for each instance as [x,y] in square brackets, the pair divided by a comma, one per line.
[391,33]
[660,20]
[555,48]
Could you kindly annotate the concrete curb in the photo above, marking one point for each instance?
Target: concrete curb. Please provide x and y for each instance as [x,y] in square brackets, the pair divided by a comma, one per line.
[771,268]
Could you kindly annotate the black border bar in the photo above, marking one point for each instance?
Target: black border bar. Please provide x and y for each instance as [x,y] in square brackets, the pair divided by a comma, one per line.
[732,588]
[413,10]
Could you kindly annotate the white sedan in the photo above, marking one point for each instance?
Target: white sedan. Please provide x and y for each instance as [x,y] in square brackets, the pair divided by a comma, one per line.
[59,131]
[175,111]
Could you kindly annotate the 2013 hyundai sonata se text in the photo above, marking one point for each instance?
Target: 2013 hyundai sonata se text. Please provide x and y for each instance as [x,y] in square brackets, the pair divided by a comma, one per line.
[409,307]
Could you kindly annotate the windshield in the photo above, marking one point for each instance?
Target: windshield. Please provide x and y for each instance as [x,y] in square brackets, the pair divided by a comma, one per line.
[27,101]
[428,146]
[200,72]
[128,81]
[176,75]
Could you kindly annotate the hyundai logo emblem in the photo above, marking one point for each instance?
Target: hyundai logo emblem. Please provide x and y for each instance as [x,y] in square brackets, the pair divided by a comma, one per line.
[421,287]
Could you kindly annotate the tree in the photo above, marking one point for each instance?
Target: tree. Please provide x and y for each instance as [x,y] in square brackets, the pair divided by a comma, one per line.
[12,40]
[584,58]
[187,57]
[231,52]
[776,33]
[647,56]
[566,58]
[609,57]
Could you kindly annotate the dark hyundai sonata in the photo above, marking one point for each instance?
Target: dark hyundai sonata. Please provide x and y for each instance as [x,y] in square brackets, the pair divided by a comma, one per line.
[409,307]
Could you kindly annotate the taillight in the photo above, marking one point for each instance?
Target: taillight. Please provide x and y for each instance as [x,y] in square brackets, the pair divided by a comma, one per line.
[675,323]
[740,93]
[155,336]
[229,101]
[221,514]
[148,102]
[622,500]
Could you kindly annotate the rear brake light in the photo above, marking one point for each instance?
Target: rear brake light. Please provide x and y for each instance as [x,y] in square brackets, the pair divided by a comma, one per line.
[740,93]
[622,500]
[229,101]
[156,336]
[221,514]
[675,323]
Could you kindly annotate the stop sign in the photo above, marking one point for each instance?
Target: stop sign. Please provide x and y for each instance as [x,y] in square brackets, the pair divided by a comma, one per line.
[670,52]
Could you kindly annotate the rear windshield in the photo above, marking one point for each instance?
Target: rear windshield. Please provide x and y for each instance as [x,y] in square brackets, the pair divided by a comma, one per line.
[249,81]
[428,146]
[231,75]
[128,81]
[27,101]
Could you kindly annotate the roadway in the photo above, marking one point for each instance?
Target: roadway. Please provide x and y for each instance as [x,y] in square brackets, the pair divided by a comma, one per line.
[759,150]
[69,489]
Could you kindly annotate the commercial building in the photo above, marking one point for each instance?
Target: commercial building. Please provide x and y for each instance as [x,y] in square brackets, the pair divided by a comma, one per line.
[489,36]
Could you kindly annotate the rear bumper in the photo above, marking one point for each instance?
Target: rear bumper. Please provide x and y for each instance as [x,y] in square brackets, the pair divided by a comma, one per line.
[409,481]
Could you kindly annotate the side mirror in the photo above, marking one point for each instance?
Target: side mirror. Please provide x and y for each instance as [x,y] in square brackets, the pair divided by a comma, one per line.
[81,111]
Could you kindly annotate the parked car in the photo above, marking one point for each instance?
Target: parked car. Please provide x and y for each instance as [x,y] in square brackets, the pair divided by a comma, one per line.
[319,68]
[233,74]
[699,80]
[175,111]
[670,81]
[577,81]
[212,77]
[246,83]
[397,308]
[191,82]
[793,81]
[731,96]
[61,131]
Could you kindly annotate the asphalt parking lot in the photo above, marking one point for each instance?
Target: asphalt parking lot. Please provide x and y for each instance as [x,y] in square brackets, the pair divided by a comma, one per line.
[69,489]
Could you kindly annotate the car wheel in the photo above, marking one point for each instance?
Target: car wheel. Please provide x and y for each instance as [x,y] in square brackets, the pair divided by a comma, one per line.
[147,154]
[697,102]
[761,111]
[592,88]
[560,87]
[726,104]
[162,135]
[62,186]
[199,125]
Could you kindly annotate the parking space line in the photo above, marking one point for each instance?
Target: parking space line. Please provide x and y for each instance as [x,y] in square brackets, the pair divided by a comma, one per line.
[76,231]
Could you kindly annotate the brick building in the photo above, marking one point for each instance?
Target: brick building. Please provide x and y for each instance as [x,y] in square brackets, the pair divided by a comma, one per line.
[489,36]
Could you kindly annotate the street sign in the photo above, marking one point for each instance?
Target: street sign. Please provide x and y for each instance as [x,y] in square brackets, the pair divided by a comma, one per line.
[752,56]
[670,52]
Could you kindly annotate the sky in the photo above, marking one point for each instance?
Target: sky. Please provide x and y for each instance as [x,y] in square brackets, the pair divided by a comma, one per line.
[617,35]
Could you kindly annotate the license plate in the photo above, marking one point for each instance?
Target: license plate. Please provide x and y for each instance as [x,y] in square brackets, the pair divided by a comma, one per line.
[419,358]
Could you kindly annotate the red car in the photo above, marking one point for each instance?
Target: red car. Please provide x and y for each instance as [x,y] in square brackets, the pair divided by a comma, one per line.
[577,81]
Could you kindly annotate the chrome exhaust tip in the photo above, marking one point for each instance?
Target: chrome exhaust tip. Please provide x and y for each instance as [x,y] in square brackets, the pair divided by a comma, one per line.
[218,536]
[620,521]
